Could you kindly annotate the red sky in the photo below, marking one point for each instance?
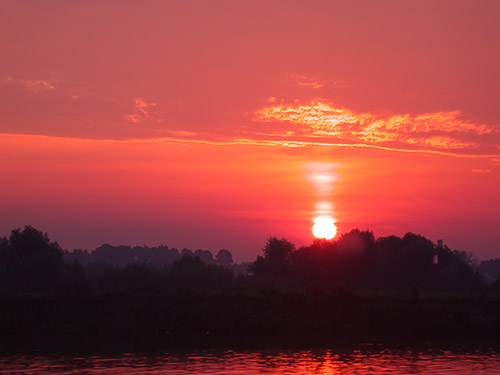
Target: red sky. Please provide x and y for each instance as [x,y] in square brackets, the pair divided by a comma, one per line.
[202,124]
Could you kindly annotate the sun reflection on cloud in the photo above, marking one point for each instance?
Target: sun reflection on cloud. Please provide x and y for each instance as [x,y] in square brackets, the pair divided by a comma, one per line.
[324,208]
[322,176]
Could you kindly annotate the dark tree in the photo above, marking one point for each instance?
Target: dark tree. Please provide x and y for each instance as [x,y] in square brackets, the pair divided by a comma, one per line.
[74,279]
[30,262]
[205,256]
[224,258]
[191,273]
[490,269]
[278,251]
[277,257]
[357,241]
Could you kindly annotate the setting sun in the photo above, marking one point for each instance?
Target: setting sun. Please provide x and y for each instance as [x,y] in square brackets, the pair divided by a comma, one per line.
[324,227]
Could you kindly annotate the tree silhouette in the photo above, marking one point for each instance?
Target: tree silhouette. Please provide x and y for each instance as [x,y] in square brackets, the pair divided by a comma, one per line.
[356,241]
[224,257]
[31,262]
[205,256]
[191,273]
[277,256]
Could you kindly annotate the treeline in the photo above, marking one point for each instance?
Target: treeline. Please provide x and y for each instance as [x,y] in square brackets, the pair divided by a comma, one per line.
[355,262]
[31,263]
[156,256]
[359,261]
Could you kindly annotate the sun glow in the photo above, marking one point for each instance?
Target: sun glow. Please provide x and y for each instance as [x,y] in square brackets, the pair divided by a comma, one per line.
[324,227]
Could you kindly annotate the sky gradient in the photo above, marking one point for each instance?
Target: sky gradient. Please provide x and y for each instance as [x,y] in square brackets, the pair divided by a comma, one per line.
[216,124]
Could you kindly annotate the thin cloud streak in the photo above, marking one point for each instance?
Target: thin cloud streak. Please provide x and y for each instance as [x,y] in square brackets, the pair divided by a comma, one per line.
[307,81]
[259,142]
[364,145]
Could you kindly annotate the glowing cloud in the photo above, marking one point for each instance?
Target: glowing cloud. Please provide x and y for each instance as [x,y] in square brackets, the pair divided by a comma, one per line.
[307,82]
[440,130]
[144,111]
[34,85]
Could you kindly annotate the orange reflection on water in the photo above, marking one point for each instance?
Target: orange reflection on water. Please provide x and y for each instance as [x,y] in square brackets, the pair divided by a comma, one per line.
[361,359]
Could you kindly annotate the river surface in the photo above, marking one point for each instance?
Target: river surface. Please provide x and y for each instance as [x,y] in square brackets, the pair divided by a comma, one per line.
[363,358]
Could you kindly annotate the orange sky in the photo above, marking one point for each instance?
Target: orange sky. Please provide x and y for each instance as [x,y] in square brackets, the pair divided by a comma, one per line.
[201,124]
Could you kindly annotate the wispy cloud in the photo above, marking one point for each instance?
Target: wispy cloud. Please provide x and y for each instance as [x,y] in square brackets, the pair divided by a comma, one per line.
[34,85]
[307,81]
[143,112]
[444,130]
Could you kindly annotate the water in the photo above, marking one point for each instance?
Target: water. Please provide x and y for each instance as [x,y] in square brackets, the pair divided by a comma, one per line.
[357,359]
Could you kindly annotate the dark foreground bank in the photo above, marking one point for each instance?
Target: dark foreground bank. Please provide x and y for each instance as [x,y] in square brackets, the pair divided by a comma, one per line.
[280,314]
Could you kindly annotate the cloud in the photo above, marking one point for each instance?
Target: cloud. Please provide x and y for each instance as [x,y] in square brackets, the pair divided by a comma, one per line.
[479,170]
[306,81]
[34,85]
[143,112]
[444,130]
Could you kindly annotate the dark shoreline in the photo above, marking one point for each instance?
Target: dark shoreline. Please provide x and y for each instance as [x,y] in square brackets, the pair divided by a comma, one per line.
[184,344]
[203,317]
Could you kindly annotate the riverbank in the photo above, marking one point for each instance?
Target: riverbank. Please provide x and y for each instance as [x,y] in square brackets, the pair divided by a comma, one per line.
[280,314]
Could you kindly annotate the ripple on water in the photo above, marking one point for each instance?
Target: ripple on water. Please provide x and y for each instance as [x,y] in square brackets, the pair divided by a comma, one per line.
[362,360]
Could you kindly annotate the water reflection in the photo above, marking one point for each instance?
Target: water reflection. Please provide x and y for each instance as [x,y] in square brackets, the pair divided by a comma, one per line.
[362,360]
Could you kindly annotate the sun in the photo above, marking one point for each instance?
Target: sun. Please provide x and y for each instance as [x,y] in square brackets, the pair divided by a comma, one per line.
[324,227]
